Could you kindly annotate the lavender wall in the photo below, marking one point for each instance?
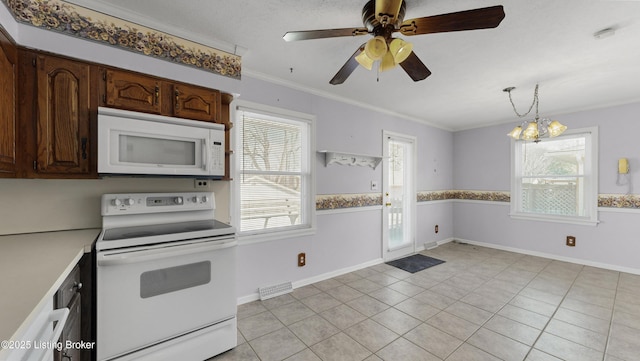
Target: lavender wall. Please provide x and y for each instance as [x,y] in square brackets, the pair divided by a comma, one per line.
[345,239]
[353,237]
[482,162]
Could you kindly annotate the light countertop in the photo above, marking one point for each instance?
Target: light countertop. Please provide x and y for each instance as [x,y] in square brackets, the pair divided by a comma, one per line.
[32,268]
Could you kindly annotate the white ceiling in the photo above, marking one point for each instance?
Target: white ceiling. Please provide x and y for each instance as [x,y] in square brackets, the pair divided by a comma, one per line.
[549,42]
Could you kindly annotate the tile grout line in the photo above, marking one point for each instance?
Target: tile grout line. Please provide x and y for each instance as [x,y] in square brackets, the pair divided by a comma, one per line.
[554,311]
[613,312]
[496,313]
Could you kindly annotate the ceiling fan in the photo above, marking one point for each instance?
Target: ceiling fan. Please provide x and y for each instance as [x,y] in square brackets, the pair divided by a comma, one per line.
[381,19]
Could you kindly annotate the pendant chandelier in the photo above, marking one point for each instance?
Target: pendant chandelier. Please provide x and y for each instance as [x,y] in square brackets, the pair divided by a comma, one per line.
[536,128]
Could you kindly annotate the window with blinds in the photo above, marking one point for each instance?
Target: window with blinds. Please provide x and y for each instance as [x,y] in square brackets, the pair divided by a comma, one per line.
[274,172]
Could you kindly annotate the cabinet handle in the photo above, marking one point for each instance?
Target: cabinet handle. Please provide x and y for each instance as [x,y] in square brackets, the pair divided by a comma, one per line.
[157,94]
[84,148]
[77,286]
[177,99]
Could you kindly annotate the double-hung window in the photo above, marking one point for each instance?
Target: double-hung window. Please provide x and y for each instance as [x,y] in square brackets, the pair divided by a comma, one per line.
[556,179]
[274,185]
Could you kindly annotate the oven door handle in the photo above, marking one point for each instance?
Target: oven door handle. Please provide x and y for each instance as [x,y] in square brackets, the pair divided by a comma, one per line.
[128,256]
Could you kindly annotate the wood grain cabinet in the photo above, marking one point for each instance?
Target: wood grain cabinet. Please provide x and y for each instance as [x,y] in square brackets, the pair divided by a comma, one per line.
[193,102]
[56,116]
[8,89]
[148,94]
[63,135]
[132,91]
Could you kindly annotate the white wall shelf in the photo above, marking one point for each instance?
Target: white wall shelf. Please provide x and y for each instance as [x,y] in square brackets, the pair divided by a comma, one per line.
[345,158]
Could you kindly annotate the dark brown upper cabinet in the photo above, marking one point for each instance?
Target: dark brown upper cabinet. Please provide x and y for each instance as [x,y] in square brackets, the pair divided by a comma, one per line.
[8,89]
[57,116]
[148,94]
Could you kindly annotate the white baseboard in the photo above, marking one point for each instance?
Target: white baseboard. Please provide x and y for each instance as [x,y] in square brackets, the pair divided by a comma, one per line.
[552,256]
[325,276]
[307,281]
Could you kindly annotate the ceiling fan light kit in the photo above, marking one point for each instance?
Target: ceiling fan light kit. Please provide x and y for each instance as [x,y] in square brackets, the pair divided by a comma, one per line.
[382,18]
[387,62]
[365,61]
[537,128]
[400,50]
[376,48]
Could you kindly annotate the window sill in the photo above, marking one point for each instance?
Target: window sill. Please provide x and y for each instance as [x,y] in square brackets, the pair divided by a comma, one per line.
[555,219]
[248,239]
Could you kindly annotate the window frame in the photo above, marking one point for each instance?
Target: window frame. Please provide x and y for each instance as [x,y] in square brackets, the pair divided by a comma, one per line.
[308,227]
[591,174]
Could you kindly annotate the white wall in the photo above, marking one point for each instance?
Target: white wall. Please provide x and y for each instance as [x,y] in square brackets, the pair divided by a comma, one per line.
[482,162]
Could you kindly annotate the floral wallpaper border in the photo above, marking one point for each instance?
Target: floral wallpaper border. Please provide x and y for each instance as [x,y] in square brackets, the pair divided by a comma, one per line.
[341,201]
[87,24]
[490,196]
[626,201]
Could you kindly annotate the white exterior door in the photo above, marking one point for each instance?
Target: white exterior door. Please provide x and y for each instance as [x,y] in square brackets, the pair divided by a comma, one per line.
[399,195]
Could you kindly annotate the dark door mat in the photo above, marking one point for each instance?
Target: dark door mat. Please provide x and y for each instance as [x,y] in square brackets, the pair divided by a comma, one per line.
[415,263]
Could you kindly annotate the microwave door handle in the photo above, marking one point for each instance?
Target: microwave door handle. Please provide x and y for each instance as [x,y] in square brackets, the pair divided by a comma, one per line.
[205,154]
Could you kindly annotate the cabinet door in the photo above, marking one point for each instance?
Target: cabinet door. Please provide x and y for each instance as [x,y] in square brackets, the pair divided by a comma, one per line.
[133,91]
[63,116]
[193,102]
[8,73]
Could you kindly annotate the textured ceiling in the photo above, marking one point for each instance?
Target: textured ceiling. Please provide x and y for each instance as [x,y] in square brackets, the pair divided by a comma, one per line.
[549,42]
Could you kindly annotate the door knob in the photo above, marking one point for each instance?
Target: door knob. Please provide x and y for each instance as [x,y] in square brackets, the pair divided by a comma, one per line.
[388,204]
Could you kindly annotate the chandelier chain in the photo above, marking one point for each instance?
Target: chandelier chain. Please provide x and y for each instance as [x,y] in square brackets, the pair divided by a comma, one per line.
[535,102]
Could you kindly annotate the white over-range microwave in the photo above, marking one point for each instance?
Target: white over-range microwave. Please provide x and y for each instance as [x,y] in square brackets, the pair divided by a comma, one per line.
[133,143]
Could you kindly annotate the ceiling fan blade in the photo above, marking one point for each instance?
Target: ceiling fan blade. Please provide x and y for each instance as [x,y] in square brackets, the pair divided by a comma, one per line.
[415,67]
[390,8]
[327,33]
[347,68]
[483,18]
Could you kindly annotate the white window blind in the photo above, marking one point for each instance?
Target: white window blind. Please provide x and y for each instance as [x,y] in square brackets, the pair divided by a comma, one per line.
[274,172]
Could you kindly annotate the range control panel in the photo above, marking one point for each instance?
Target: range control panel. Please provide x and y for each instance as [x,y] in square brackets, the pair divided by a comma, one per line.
[137,203]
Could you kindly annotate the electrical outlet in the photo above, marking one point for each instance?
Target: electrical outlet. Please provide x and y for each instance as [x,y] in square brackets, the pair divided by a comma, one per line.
[201,183]
[436,228]
[571,241]
[302,259]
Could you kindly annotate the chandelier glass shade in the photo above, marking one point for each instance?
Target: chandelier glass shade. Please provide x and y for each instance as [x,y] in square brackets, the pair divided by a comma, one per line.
[536,128]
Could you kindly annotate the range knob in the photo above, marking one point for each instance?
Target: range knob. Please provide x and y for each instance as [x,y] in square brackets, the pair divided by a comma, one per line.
[116,202]
[178,200]
[129,201]
[204,199]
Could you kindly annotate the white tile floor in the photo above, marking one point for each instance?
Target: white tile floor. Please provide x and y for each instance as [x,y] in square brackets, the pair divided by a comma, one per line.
[482,304]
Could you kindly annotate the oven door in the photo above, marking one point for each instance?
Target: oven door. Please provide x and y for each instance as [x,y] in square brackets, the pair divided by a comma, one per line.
[153,294]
